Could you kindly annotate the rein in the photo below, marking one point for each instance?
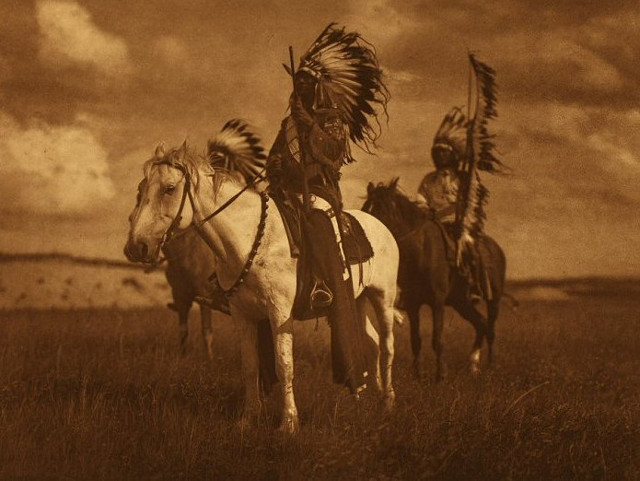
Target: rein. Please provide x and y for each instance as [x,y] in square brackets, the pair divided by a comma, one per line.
[170,233]
[229,201]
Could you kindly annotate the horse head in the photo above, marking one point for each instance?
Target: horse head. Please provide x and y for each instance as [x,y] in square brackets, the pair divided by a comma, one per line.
[387,203]
[161,205]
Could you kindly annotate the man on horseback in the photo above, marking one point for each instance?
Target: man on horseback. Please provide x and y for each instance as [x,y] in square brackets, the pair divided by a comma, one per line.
[336,89]
[438,192]
[454,194]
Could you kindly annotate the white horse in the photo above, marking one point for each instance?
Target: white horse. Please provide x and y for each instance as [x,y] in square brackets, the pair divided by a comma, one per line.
[190,262]
[246,232]
[189,265]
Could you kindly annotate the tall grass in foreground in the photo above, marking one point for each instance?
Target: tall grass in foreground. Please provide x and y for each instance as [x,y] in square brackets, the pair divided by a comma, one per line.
[105,395]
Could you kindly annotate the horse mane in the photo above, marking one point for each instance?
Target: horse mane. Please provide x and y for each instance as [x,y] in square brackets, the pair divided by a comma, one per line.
[194,164]
[388,198]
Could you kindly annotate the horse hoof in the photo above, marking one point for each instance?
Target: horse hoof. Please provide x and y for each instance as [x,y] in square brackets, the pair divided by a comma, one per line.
[474,362]
[288,427]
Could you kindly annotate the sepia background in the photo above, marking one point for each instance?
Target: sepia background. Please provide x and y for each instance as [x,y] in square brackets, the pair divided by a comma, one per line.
[93,381]
[89,88]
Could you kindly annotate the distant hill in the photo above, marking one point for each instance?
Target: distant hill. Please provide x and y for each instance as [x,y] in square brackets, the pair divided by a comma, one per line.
[578,287]
[64,281]
[45,281]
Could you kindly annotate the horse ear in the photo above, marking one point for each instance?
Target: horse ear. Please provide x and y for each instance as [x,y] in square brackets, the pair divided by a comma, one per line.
[370,188]
[160,151]
[394,182]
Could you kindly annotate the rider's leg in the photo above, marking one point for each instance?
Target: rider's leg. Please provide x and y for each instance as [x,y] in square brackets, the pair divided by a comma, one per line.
[347,335]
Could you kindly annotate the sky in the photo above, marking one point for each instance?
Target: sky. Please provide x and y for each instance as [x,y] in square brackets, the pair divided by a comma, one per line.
[88,88]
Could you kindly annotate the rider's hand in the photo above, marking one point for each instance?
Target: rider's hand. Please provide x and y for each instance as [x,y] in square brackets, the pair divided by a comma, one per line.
[300,114]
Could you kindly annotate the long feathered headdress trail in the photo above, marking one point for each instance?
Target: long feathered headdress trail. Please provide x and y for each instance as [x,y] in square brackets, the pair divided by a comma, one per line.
[350,78]
[237,148]
[479,155]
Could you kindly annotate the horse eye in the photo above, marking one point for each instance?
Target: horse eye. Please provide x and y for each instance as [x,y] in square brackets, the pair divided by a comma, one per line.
[170,189]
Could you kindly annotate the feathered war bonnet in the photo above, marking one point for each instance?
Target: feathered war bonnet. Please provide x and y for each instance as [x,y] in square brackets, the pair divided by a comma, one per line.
[237,149]
[349,79]
[452,134]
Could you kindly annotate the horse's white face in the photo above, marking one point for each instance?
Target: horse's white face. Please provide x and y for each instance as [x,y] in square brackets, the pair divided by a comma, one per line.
[160,195]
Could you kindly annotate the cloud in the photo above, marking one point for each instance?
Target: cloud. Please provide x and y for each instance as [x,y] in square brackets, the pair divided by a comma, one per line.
[70,37]
[44,169]
[543,53]
[171,48]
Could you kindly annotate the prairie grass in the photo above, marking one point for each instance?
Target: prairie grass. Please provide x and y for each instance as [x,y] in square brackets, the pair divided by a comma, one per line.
[104,394]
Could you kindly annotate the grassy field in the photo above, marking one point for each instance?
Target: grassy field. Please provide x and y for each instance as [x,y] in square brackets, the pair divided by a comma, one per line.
[103,394]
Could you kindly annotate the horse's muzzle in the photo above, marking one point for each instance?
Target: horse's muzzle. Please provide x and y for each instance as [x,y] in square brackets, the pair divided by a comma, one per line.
[137,251]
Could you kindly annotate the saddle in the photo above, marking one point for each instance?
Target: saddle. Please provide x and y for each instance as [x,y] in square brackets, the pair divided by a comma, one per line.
[356,246]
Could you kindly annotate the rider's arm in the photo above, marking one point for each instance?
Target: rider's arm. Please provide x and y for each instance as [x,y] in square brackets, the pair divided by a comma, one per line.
[275,169]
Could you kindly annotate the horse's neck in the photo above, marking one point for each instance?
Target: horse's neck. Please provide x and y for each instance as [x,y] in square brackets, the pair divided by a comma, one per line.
[412,217]
[231,232]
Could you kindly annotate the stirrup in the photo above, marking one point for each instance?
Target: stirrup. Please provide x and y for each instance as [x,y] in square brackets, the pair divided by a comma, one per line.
[321,296]
[475,298]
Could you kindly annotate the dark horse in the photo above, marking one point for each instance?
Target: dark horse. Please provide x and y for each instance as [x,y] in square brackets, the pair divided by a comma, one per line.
[428,276]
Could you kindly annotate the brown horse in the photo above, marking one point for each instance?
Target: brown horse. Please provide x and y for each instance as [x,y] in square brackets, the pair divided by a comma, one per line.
[427,276]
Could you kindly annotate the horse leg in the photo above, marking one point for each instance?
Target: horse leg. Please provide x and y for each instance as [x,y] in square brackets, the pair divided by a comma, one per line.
[413,311]
[249,362]
[282,330]
[372,334]
[493,308]
[383,305]
[207,331]
[437,311]
[182,307]
[467,310]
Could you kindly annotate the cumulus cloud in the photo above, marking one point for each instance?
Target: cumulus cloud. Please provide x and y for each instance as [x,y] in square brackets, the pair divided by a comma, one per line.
[69,36]
[52,169]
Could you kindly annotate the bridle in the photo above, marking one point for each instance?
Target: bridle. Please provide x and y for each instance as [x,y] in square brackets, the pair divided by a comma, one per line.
[400,237]
[172,233]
